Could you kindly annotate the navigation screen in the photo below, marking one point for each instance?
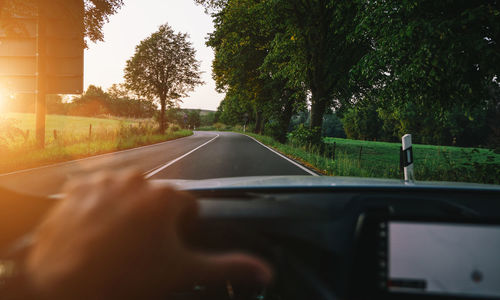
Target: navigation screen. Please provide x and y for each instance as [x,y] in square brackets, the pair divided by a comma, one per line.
[444,259]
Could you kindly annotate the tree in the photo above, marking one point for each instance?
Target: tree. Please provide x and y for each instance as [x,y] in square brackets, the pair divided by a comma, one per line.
[212,5]
[242,41]
[290,46]
[96,13]
[316,38]
[194,119]
[431,66]
[207,119]
[164,67]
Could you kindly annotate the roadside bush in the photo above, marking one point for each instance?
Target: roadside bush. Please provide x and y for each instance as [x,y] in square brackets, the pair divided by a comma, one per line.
[174,128]
[238,127]
[304,136]
[220,126]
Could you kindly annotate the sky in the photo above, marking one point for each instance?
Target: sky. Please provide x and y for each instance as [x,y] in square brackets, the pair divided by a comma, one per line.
[138,19]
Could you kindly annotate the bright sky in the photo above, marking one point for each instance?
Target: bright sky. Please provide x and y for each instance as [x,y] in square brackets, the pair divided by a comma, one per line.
[105,61]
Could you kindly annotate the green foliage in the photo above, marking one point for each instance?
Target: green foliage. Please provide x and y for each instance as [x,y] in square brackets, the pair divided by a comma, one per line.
[315,40]
[332,126]
[242,41]
[455,126]
[164,68]
[434,53]
[431,69]
[386,68]
[207,119]
[304,136]
[92,103]
[97,13]
[220,126]
[194,119]
[362,122]
[380,159]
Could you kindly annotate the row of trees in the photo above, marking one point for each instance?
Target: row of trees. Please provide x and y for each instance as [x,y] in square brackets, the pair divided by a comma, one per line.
[116,101]
[384,67]
[93,102]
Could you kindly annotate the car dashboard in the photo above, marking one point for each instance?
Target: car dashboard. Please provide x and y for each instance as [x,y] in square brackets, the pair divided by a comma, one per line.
[353,243]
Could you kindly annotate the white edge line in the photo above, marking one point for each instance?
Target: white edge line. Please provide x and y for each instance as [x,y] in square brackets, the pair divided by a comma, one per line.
[283,156]
[159,169]
[92,157]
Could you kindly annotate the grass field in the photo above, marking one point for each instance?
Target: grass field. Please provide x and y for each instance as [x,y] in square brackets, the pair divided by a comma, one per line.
[380,159]
[69,138]
[67,124]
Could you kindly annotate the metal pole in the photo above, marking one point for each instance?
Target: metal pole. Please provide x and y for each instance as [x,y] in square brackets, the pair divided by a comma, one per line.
[41,76]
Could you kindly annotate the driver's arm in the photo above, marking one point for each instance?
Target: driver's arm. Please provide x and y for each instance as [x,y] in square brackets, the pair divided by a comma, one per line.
[116,236]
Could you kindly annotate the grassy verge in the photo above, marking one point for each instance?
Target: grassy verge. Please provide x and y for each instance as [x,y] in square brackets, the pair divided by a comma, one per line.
[379,159]
[69,138]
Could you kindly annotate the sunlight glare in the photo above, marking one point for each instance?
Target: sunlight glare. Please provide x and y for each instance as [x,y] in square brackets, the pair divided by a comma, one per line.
[4,98]
[2,101]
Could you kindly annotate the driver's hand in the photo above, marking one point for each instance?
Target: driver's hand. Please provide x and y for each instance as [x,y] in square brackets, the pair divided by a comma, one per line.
[116,236]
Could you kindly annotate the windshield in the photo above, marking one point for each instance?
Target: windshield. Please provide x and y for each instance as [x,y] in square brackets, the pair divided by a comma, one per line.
[212,89]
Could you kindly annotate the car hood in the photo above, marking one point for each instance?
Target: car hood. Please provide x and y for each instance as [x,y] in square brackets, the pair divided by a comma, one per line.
[286,182]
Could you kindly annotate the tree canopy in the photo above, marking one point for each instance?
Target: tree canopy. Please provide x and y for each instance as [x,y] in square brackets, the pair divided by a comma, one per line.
[385,68]
[163,68]
[96,14]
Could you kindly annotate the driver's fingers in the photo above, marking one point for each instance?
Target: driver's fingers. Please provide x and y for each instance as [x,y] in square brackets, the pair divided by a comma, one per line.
[168,204]
[236,267]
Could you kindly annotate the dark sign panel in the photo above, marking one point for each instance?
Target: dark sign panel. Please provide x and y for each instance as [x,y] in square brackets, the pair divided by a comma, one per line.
[63,50]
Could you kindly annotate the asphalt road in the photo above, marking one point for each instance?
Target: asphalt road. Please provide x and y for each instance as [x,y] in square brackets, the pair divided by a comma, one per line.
[201,156]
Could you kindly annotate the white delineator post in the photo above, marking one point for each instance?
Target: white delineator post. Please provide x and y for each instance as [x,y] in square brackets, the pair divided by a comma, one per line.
[408,158]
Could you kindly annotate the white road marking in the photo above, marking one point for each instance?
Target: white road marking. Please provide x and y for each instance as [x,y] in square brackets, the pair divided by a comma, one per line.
[93,157]
[284,157]
[157,170]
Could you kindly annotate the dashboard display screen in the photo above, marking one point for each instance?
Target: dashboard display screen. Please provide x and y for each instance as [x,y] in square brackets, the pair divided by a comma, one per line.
[443,259]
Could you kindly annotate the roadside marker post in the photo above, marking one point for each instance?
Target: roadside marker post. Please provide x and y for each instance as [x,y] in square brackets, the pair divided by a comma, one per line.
[407,158]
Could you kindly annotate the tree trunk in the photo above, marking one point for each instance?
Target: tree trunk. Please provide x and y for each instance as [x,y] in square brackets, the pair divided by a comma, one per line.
[162,115]
[318,108]
[285,118]
[258,122]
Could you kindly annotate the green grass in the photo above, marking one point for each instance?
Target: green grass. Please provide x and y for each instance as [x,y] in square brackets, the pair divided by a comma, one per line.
[389,152]
[381,159]
[72,139]
[73,125]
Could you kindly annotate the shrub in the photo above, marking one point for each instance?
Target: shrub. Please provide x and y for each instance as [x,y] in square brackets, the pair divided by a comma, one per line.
[303,136]
[220,126]
[174,128]
[238,127]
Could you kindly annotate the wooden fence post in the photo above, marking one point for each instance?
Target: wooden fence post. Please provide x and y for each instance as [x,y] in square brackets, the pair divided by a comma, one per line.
[90,132]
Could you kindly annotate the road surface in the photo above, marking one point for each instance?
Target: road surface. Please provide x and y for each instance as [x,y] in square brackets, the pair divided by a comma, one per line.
[203,155]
